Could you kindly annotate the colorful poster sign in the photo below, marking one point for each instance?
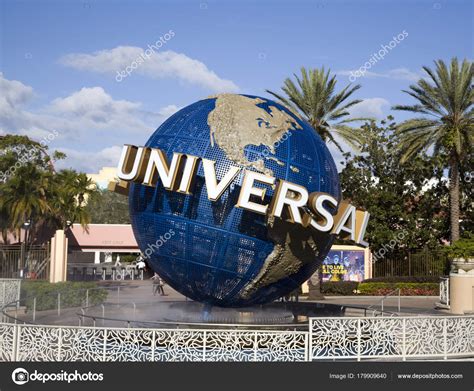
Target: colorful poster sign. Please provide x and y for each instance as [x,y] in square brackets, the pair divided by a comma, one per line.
[343,265]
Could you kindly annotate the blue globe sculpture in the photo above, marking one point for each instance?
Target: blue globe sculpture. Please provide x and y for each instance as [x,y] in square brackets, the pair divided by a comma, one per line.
[213,252]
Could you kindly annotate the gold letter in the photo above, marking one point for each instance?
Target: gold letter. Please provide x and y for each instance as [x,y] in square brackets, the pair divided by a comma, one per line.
[361,226]
[167,173]
[282,198]
[189,172]
[316,200]
[130,163]
[345,214]
[214,190]
[248,190]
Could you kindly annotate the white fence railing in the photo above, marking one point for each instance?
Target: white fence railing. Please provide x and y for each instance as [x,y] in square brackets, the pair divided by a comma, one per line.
[9,290]
[61,343]
[400,338]
[387,338]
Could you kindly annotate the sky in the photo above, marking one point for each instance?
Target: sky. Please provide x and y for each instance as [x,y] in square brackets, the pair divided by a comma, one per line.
[60,61]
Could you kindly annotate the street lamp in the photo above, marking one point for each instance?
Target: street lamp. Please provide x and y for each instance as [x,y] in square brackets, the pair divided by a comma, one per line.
[26,227]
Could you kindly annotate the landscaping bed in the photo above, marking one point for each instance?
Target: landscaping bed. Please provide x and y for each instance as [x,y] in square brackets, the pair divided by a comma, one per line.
[412,286]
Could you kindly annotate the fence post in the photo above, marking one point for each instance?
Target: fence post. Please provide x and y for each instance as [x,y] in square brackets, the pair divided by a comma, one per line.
[447,291]
[16,342]
[104,352]
[358,339]
[153,344]
[59,303]
[204,346]
[34,309]
[445,338]
[306,347]
[409,264]
[60,341]
[399,292]
[310,341]
[255,346]
[4,288]
[404,343]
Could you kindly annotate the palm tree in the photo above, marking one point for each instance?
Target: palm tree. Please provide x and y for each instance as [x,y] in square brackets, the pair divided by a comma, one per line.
[446,98]
[25,197]
[71,191]
[314,98]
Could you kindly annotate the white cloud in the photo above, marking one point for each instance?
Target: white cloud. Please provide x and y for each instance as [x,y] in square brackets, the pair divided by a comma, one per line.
[370,107]
[90,162]
[168,111]
[13,93]
[164,64]
[88,120]
[93,108]
[397,74]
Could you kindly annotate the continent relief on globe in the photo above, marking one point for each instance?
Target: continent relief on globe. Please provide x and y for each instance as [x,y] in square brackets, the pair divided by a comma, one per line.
[235,123]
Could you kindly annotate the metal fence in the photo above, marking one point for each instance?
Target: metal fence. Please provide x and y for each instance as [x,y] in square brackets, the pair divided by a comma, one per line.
[422,263]
[58,343]
[328,339]
[32,261]
[398,338]
[103,271]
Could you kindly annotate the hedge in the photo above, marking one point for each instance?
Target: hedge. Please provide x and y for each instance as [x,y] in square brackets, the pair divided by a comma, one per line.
[73,294]
[434,279]
[407,288]
[339,288]
[379,288]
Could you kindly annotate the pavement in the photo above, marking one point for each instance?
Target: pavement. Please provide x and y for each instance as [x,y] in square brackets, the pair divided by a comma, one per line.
[141,292]
[409,305]
[137,301]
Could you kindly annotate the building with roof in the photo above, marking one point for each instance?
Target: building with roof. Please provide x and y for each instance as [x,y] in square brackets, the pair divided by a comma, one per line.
[100,242]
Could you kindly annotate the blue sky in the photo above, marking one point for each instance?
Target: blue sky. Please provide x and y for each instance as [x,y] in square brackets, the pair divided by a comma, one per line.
[59,60]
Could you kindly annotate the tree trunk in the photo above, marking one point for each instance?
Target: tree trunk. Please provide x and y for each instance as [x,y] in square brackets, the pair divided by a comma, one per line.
[454,197]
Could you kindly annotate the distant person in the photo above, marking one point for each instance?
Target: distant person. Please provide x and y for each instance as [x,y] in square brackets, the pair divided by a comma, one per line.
[158,285]
[141,265]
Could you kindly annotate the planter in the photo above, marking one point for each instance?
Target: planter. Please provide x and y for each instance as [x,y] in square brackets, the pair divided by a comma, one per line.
[466,265]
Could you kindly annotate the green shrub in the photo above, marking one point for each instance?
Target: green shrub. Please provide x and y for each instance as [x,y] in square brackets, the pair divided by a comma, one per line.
[462,248]
[342,288]
[73,294]
[434,279]
[407,288]
[128,258]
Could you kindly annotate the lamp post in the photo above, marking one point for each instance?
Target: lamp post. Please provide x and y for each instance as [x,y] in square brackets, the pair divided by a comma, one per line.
[21,264]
